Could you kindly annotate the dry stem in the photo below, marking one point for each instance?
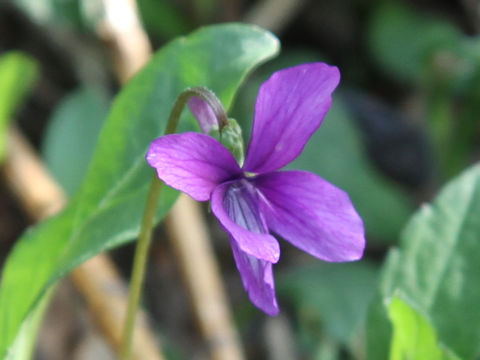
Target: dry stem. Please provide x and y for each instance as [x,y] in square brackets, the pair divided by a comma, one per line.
[200,269]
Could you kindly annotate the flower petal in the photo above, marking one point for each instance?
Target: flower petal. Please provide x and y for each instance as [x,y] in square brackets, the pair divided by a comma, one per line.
[237,210]
[257,278]
[191,162]
[290,106]
[204,114]
[312,214]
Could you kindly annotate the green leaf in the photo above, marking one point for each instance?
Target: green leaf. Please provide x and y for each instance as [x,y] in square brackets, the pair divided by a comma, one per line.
[71,136]
[24,346]
[413,336]
[106,211]
[438,266]
[338,307]
[18,73]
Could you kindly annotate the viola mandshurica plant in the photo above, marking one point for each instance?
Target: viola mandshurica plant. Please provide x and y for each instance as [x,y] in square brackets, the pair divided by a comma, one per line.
[255,198]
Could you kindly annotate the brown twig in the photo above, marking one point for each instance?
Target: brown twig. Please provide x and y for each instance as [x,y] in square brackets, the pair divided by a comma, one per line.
[195,254]
[121,28]
[106,294]
[38,193]
[191,242]
[96,279]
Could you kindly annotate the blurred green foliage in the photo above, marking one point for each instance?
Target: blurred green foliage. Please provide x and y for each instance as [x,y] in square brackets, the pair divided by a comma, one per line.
[61,13]
[404,42]
[18,73]
[163,18]
[330,303]
[433,55]
[72,134]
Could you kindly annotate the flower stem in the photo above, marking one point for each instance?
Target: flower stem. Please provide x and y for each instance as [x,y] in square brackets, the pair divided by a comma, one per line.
[206,95]
[139,265]
[144,239]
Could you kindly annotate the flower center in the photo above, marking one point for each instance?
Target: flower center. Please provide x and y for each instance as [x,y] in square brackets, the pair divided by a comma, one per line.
[242,202]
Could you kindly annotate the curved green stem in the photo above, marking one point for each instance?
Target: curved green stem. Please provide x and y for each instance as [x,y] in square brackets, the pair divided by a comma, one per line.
[144,239]
[139,265]
[202,93]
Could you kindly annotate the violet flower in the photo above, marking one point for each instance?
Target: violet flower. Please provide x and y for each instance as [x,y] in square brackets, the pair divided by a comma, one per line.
[252,200]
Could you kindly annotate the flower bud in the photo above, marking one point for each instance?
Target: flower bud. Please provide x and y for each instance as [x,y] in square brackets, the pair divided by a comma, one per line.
[231,138]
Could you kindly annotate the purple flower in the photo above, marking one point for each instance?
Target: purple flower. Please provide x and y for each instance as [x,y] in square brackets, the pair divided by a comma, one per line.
[252,200]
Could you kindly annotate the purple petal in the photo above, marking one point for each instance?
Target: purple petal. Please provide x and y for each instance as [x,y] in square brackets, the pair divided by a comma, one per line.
[204,114]
[312,214]
[290,106]
[257,278]
[237,209]
[191,162]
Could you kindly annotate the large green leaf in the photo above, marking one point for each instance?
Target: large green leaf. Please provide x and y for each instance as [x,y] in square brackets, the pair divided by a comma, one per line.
[18,73]
[413,336]
[24,346]
[438,268]
[107,209]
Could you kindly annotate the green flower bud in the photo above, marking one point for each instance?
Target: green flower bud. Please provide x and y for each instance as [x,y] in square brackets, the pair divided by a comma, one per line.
[231,138]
